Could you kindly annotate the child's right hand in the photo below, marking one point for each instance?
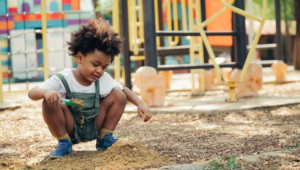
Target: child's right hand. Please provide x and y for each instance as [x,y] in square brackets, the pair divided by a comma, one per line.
[52,96]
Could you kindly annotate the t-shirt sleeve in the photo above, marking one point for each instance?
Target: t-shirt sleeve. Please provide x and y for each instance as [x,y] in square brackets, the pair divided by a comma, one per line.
[54,84]
[107,83]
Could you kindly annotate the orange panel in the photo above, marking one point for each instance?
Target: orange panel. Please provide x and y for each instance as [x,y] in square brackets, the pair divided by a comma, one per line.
[6,75]
[31,17]
[11,25]
[3,25]
[221,23]
[49,16]
[17,18]
[75,4]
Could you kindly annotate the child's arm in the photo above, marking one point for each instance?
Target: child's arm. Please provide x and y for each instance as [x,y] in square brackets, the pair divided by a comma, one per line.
[51,96]
[143,110]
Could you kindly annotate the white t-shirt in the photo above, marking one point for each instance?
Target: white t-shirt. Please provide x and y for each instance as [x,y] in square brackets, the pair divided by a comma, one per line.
[106,84]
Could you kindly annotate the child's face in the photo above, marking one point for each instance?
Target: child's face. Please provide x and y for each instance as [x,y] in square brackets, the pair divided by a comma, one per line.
[93,65]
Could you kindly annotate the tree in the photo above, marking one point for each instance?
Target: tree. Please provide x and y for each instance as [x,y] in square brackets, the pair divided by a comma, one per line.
[287,14]
[96,8]
[271,9]
[288,41]
[296,53]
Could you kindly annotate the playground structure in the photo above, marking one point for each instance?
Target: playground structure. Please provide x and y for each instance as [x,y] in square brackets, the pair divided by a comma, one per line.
[139,15]
[240,59]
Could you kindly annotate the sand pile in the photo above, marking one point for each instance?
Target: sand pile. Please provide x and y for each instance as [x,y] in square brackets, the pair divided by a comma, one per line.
[132,155]
[122,155]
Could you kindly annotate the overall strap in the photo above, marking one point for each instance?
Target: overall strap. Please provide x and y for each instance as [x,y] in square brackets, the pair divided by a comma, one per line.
[97,98]
[63,80]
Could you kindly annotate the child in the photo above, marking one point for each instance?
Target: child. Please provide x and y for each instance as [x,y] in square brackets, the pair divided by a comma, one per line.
[94,46]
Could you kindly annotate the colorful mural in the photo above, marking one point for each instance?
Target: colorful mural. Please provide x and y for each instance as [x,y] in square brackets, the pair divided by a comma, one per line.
[25,15]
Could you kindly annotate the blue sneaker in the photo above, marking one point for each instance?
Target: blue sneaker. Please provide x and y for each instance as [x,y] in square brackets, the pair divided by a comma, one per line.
[64,147]
[106,142]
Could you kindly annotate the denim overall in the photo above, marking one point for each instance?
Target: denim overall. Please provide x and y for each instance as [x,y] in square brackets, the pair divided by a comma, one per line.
[84,117]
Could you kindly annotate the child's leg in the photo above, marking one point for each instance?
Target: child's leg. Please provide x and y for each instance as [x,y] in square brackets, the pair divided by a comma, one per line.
[59,119]
[111,110]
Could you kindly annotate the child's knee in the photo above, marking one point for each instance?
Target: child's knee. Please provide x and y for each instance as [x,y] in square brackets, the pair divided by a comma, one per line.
[119,96]
[47,107]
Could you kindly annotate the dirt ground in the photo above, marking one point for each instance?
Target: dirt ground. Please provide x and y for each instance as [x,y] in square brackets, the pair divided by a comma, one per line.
[184,138]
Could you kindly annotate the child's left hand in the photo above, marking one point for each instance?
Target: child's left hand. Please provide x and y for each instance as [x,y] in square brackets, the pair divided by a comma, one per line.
[144,112]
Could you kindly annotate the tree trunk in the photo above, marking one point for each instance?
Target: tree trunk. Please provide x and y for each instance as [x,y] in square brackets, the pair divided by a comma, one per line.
[296,55]
[287,36]
[97,13]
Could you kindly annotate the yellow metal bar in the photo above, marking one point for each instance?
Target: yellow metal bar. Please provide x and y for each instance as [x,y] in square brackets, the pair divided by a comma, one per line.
[183,11]
[175,21]
[191,17]
[156,22]
[192,43]
[232,92]
[137,58]
[241,12]
[255,42]
[44,34]
[116,21]
[132,22]
[193,46]
[136,33]
[210,52]
[141,20]
[198,12]
[1,81]
[129,24]
[201,52]
[204,24]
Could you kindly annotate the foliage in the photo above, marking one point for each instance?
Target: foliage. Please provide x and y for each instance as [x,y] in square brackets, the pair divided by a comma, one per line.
[227,164]
[257,9]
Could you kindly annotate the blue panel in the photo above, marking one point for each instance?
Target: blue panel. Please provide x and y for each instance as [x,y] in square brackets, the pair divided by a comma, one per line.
[4,50]
[54,6]
[28,24]
[66,7]
[2,7]
[56,23]
[38,24]
[4,63]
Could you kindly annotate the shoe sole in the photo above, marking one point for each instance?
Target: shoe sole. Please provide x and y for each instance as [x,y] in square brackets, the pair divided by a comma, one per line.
[55,157]
[101,149]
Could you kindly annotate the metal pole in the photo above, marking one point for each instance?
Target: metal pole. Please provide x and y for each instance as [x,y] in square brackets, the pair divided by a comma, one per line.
[149,34]
[240,40]
[116,26]
[125,44]
[161,27]
[278,55]
[203,11]
[44,35]
[251,25]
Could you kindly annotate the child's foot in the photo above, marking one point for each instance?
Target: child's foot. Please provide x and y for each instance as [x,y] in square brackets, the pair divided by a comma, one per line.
[64,147]
[106,142]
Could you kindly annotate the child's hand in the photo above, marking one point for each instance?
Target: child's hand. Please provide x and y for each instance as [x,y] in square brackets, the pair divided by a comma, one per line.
[144,112]
[52,96]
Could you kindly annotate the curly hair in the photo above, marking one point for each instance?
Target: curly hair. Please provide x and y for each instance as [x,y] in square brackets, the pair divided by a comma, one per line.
[96,34]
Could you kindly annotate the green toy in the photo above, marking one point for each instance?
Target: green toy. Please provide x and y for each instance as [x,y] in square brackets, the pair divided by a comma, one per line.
[72,102]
